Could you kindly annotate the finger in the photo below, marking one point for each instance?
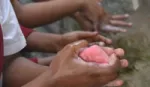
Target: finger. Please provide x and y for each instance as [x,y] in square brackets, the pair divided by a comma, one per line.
[115,83]
[113,66]
[124,63]
[109,28]
[117,17]
[105,79]
[101,43]
[120,23]
[76,46]
[119,52]
[84,35]
[97,43]
[114,61]
[96,26]
[97,38]
[87,26]
[72,50]
[103,39]
[84,23]
[108,50]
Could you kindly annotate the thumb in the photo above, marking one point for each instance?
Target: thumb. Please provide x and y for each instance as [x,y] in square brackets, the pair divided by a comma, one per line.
[78,45]
[74,48]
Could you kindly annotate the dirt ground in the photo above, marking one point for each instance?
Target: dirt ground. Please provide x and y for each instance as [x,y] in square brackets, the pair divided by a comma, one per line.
[136,43]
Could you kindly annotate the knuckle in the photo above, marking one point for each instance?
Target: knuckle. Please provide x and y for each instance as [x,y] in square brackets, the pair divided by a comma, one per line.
[69,46]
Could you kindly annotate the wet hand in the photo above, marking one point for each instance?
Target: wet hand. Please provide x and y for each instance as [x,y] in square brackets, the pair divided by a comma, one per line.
[71,71]
[82,35]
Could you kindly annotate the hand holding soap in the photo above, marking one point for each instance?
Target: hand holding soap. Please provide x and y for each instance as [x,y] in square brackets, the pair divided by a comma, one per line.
[94,54]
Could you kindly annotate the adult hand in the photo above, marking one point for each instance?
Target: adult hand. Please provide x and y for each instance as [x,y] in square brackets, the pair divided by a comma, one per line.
[71,71]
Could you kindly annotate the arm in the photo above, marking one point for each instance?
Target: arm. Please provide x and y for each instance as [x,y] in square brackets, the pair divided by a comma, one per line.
[40,0]
[44,42]
[36,14]
[44,80]
[37,41]
[43,61]
[19,71]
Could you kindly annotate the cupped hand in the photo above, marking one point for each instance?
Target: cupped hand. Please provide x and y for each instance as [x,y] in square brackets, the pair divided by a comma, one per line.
[69,70]
[82,35]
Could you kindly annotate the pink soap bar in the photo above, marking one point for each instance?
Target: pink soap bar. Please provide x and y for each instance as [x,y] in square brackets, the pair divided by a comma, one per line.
[94,54]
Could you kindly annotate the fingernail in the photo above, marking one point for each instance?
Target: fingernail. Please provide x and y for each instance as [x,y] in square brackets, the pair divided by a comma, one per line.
[124,63]
[101,44]
[126,15]
[130,24]
[119,52]
[109,41]
[119,83]
[123,30]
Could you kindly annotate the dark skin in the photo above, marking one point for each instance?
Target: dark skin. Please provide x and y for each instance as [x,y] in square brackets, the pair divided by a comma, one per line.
[35,19]
[86,12]
[117,21]
[46,12]
[31,20]
[52,43]
[48,42]
[64,63]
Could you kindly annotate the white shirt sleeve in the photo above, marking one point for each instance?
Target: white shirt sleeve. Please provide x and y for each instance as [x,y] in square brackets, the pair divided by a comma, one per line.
[13,37]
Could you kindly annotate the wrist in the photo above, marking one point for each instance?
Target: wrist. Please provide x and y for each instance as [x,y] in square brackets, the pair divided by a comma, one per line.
[46,79]
[60,43]
[50,79]
[54,44]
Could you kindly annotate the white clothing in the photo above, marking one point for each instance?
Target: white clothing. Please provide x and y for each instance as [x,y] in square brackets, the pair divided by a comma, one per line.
[13,37]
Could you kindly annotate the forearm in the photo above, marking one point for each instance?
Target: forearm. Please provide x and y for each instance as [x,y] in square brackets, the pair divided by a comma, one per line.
[36,14]
[45,61]
[40,0]
[19,71]
[44,80]
[43,42]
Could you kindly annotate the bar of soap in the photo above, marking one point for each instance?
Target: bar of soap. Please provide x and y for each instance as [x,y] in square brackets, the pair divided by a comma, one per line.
[94,54]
